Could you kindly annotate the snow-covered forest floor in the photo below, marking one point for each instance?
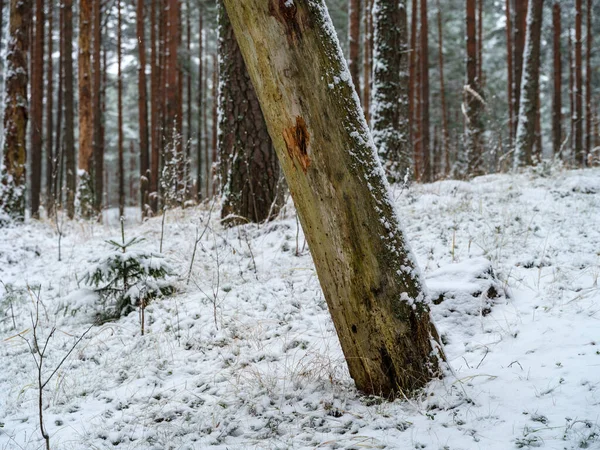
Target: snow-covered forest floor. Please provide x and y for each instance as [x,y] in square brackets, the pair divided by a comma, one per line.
[245,355]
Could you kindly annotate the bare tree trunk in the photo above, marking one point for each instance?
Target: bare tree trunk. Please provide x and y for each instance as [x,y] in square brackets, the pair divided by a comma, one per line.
[120,114]
[557,94]
[142,108]
[367,273]
[215,122]
[200,105]
[50,175]
[86,119]
[580,156]
[389,108]
[58,162]
[588,81]
[571,99]
[97,108]
[154,110]
[425,129]
[70,163]
[249,167]
[14,158]
[473,100]
[520,27]
[367,59]
[445,133]
[354,16]
[529,103]
[510,72]
[412,88]
[37,107]
[188,78]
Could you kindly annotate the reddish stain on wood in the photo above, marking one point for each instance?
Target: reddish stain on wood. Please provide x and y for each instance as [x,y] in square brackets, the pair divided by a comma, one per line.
[297,141]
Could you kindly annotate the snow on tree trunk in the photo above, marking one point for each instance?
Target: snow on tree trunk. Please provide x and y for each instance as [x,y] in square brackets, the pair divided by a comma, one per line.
[248,163]
[369,276]
[529,87]
[389,107]
[12,171]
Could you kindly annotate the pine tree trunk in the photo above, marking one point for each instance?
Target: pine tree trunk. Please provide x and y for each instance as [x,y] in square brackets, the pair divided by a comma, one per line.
[424,76]
[49,142]
[367,59]
[215,123]
[580,156]
[473,100]
[529,103]
[200,94]
[367,273]
[58,145]
[142,108]
[14,158]
[154,110]
[520,27]
[557,93]
[249,167]
[120,115]
[445,133]
[588,81]
[510,72]
[188,78]
[97,108]
[571,98]
[480,43]
[86,120]
[411,77]
[354,16]
[389,109]
[37,107]
[69,143]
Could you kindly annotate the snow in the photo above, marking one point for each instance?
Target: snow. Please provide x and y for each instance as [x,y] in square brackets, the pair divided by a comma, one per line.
[246,356]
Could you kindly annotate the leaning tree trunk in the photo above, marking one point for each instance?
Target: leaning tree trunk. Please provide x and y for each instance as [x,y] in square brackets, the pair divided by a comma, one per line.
[530,82]
[12,170]
[249,166]
[389,107]
[369,276]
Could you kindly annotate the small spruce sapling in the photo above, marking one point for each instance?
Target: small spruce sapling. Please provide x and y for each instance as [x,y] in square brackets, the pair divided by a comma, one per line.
[129,277]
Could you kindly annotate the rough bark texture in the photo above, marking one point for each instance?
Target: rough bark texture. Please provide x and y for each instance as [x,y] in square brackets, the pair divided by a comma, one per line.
[526,128]
[367,59]
[389,109]
[97,108]
[37,107]
[424,83]
[580,156]
[142,108]
[473,101]
[49,142]
[249,166]
[14,158]
[368,275]
[154,110]
[354,9]
[520,28]
[69,143]
[557,93]
[86,120]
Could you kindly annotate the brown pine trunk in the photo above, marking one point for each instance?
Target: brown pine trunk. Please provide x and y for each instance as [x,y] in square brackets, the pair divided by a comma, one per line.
[154,110]
[70,163]
[367,273]
[97,108]
[445,133]
[424,119]
[248,163]
[215,121]
[120,115]
[473,99]
[412,83]
[529,103]
[480,42]
[59,158]
[200,134]
[207,165]
[557,93]
[86,119]
[188,78]
[37,107]
[417,139]
[571,99]
[142,108]
[50,175]
[520,27]
[14,158]
[510,73]
[367,59]
[588,81]
[580,156]
[354,16]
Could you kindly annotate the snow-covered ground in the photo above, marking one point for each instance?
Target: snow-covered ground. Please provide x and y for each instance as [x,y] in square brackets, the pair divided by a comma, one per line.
[245,355]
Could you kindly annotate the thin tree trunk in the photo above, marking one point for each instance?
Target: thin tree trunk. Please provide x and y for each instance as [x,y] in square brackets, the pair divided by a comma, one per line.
[70,163]
[557,94]
[58,162]
[50,174]
[424,60]
[37,107]
[207,165]
[520,27]
[529,103]
[14,159]
[97,107]
[142,108]
[354,16]
[200,105]
[367,59]
[188,139]
[215,121]
[580,156]
[120,115]
[86,119]
[480,42]
[588,81]
[154,110]
[411,76]
[389,109]
[445,133]
[367,273]
[510,73]
[571,99]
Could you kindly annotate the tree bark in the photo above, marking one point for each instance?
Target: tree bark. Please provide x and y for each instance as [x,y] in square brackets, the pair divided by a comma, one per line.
[354,16]
[445,132]
[97,114]
[215,122]
[58,147]
[154,110]
[529,103]
[14,158]
[37,107]
[557,93]
[368,275]
[120,114]
[473,100]
[389,108]
[142,108]
[86,120]
[424,119]
[580,156]
[249,167]
[588,81]
[69,143]
[411,75]
[520,27]
[50,173]
[367,59]
[510,73]
[200,133]
[571,98]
